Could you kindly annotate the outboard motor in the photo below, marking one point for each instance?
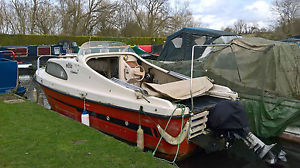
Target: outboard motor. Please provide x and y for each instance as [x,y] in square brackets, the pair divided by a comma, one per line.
[228,119]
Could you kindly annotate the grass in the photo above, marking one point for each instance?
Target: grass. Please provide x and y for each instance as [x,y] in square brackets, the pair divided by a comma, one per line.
[32,136]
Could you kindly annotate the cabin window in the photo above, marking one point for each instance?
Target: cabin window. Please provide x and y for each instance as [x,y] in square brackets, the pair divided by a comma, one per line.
[108,67]
[177,42]
[200,40]
[56,70]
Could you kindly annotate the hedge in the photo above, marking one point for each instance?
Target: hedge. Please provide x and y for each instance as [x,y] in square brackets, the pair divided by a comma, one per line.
[14,40]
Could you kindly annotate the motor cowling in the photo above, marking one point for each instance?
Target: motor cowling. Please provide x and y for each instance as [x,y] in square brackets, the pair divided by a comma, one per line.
[228,119]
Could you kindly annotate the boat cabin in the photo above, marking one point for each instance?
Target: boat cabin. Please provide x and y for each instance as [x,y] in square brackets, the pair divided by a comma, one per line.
[125,67]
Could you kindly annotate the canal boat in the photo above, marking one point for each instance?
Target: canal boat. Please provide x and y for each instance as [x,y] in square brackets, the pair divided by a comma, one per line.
[132,99]
[27,55]
[9,75]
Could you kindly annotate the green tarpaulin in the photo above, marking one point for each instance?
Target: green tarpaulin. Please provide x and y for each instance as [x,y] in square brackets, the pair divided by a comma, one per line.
[266,74]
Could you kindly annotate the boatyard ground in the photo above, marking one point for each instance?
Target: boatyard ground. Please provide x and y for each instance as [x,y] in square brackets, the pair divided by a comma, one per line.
[32,136]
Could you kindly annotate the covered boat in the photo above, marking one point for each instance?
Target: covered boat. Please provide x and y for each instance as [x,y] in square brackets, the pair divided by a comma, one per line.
[178,46]
[264,72]
[132,99]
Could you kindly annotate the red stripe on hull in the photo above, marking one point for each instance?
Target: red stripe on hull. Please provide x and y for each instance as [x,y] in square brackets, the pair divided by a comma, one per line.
[70,105]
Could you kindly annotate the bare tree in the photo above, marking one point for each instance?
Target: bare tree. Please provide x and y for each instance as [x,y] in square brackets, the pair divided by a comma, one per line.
[90,17]
[181,17]
[47,18]
[254,28]
[240,27]
[228,29]
[287,11]
[6,16]
[100,17]
[32,15]
[18,16]
[93,17]
[86,17]
[150,15]
[139,19]
[71,13]
[2,6]
[126,22]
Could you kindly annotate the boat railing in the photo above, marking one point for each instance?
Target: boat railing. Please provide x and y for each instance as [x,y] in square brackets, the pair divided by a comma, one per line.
[192,66]
[9,51]
[190,132]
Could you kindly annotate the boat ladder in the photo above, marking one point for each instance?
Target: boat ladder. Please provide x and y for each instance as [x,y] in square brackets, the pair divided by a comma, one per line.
[197,124]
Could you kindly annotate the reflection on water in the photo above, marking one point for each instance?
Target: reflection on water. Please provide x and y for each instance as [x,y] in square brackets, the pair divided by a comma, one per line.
[236,157]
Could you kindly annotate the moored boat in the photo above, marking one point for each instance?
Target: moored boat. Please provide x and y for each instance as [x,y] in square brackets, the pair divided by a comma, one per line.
[122,93]
[9,74]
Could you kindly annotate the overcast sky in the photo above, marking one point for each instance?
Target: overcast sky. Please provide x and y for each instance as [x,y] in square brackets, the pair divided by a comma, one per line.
[217,14]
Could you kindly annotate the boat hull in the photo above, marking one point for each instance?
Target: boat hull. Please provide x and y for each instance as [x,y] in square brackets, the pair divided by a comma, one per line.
[122,123]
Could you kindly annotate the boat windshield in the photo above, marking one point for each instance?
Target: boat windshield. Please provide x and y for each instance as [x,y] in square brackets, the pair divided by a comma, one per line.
[92,47]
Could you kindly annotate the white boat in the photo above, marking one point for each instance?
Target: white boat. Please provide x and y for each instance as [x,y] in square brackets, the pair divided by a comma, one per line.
[124,94]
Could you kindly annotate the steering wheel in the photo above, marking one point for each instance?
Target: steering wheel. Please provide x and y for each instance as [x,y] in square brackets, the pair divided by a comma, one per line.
[139,71]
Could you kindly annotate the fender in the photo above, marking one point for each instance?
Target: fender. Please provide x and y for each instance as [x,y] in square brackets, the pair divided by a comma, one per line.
[174,140]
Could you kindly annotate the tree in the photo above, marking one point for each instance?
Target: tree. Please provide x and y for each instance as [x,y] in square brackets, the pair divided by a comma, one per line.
[136,18]
[47,18]
[131,29]
[150,15]
[18,16]
[104,19]
[254,28]
[70,12]
[94,17]
[126,22]
[181,17]
[240,27]
[86,17]
[227,29]
[32,15]
[28,16]
[2,8]
[287,11]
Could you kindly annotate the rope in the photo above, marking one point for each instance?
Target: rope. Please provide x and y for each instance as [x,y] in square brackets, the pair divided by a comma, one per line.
[182,116]
[174,164]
